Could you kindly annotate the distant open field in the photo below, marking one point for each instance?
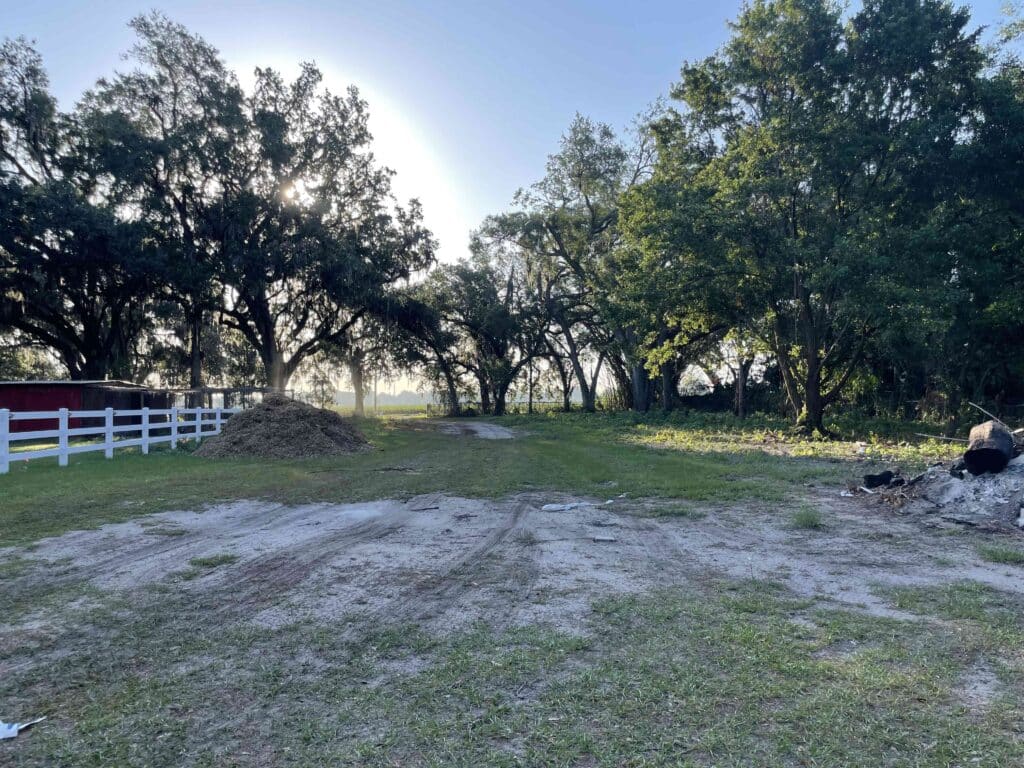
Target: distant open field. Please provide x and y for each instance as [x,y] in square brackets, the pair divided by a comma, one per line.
[701,595]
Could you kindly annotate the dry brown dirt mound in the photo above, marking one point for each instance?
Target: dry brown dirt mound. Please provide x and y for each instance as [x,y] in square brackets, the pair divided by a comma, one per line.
[280,428]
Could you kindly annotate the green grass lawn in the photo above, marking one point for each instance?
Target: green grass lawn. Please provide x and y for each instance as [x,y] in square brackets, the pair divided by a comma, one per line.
[715,673]
[693,458]
[727,674]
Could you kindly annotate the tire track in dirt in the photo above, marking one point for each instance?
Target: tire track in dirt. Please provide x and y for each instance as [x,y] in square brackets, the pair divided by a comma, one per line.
[106,558]
[268,579]
[503,563]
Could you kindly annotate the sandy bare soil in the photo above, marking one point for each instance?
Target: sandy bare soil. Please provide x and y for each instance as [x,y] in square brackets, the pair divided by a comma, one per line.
[446,562]
[474,428]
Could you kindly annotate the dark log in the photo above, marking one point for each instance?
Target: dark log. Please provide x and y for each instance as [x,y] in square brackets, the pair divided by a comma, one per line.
[989,449]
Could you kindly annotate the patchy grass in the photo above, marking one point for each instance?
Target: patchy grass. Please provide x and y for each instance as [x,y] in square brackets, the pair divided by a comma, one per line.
[213,561]
[722,676]
[717,673]
[998,553]
[678,456]
[680,511]
[200,566]
[808,518]
[574,454]
[722,433]
[964,600]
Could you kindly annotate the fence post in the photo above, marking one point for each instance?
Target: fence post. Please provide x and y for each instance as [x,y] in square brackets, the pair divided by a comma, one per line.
[174,427]
[5,441]
[145,430]
[199,425]
[108,433]
[62,439]
[216,429]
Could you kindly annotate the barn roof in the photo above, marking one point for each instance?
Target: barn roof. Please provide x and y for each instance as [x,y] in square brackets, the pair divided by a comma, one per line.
[74,383]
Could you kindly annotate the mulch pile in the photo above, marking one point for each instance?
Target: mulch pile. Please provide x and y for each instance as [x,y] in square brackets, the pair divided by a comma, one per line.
[281,428]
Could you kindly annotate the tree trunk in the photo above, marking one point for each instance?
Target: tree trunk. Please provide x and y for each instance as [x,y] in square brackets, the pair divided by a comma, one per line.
[500,395]
[811,416]
[640,387]
[590,398]
[668,383]
[195,375]
[485,394]
[623,386]
[195,355]
[453,394]
[566,381]
[586,391]
[355,372]
[277,371]
[742,372]
[529,388]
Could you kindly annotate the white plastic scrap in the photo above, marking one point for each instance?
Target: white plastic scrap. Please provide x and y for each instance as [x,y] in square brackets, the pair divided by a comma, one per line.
[10,730]
[563,507]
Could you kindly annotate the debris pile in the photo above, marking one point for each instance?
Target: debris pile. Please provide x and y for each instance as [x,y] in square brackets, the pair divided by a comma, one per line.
[281,428]
[983,489]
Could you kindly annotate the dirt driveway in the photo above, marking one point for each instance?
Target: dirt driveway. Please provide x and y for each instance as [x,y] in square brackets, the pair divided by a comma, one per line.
[263,634]
[448,562]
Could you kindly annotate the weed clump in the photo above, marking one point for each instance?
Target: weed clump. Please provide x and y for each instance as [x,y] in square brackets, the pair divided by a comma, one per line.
[807,518]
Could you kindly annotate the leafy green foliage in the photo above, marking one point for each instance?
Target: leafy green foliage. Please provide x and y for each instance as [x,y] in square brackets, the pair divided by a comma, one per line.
[807,177]
[75,276]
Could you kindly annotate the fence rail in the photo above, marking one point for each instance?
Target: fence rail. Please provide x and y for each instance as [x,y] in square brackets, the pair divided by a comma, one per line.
[152,425]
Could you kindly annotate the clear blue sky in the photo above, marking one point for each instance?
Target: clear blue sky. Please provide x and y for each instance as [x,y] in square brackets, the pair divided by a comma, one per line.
[467,98]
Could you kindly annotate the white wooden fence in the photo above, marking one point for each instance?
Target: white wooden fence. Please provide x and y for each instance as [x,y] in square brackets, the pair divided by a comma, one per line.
[151,425]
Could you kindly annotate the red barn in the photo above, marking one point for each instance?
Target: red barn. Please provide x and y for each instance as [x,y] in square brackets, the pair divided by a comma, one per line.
[78,396]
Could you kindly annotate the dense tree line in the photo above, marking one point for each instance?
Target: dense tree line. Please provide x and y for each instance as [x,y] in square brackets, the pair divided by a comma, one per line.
[832,197]
[825,212]
[172,213]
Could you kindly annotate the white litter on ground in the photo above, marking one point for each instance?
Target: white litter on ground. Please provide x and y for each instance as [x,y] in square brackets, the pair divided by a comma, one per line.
[10,730]
[564,507]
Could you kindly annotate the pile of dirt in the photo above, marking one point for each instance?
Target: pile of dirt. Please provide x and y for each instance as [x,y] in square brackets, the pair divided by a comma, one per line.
[280,428]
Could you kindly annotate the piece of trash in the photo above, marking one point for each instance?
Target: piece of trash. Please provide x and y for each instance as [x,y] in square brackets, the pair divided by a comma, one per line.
[847,494]
[866,490]
[426,502]
[879,480]
[10,730]
[604,539]
[562,507]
